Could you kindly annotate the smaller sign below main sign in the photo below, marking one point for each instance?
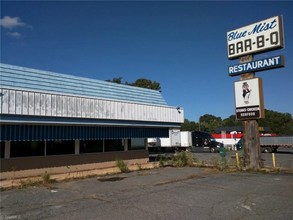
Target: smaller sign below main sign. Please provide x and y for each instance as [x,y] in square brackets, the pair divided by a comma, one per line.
[249,99]
[257,65]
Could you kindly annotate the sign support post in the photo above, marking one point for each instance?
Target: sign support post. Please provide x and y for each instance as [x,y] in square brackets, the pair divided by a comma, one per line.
[252,151]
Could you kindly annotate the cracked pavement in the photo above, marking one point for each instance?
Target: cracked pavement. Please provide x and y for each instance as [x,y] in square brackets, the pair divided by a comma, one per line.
[163,193]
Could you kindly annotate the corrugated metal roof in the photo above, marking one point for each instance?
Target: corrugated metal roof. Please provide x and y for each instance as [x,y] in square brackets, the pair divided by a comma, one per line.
[27,78]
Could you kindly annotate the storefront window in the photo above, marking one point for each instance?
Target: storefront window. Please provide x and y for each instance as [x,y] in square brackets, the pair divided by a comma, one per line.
[27,148]
[2,148]
[91,146]
[114,145]
[60,147]
[136,144]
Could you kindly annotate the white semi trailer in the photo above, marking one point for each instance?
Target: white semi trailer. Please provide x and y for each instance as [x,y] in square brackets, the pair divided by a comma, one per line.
[169,143]
[271,144]
[183,140]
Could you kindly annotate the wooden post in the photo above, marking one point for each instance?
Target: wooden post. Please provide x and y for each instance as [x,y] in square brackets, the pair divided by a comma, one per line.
[252,152]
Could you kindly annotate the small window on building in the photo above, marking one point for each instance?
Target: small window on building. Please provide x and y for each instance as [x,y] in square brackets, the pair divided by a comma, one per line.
[60,147]
[2,149]
[91,146]
[136,144]
[114,145]
[27,148]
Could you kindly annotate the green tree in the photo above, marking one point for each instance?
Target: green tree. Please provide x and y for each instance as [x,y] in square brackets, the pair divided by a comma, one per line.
[189,125]
[116,80]
[209,123]
[279,123]
[146,83]
[231,122]
[143,83]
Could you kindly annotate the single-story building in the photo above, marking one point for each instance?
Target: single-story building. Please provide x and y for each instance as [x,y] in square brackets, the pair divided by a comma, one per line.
[50,119]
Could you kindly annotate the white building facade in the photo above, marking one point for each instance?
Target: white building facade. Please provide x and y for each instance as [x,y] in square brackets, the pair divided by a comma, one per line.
[52,119]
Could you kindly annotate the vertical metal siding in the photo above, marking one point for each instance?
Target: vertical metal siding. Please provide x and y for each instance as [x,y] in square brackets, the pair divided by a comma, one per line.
[21,102]
[48,133]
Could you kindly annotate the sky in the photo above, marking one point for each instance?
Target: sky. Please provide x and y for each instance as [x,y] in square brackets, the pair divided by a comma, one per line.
[180,44]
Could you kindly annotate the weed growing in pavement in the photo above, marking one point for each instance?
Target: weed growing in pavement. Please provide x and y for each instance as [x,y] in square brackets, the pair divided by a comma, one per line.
[222,164]
[182,159]
[164,161]
[179,159]
[214,161]
[202,163]
[46,178]
[28,182]
[139,167]
[122,166]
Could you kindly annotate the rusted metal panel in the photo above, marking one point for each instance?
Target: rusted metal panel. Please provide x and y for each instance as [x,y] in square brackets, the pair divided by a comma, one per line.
[53,105]
[4,101]
[59,105]
[48,109]
[18,102]
[37,104]
[31,103]
[43,104]
[25,103]
[11,101]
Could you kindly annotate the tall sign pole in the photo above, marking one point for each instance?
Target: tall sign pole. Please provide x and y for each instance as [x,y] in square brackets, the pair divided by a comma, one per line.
[242,43]
[252,151]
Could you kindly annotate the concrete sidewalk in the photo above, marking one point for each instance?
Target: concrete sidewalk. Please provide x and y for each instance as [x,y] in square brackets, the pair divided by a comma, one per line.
[19,178]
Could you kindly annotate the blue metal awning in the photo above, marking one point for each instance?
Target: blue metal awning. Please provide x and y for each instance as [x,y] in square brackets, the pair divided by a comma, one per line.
[16,132]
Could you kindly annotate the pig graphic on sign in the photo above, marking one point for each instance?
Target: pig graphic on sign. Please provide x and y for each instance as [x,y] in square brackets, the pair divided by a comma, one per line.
[245,92]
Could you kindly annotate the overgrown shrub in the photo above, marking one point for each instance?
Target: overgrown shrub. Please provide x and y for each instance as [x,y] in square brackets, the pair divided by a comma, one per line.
[122,166]
[182,159]
[164,161]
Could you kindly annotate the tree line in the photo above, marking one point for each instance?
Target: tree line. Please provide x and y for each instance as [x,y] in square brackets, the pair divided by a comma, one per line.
[142,82]
[275,122]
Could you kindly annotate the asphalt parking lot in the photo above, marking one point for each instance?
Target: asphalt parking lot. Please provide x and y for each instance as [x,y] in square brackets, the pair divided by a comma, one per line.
[162,193]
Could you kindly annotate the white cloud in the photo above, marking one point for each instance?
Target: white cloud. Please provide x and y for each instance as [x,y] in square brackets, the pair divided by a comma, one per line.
[15,35]
[12,22]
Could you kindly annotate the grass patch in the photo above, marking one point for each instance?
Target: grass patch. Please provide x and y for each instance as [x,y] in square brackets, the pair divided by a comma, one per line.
[29,182]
